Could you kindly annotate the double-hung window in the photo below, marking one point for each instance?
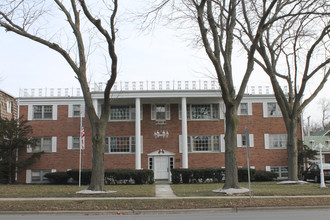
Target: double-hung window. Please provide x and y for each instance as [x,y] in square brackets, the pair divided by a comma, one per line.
[160,112]
[282,171]
[273,109]
[120,144]
[204,143]
[202,111]
[275,141]
[38,176]
[43,144]
[42,112]
[122,112]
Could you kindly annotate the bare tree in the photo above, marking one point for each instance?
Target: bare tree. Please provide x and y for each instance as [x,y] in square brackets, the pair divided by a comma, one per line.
[25,19]
[294,50]
[325,108]
[216,21]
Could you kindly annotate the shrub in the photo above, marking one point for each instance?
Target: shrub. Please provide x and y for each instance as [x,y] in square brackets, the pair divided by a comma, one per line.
[196,175]
[129,176]
[57,178]
[85,176]
[243,175]
[261,175]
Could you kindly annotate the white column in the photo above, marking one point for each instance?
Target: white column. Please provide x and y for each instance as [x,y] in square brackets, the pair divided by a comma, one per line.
[184,133]
[137,134]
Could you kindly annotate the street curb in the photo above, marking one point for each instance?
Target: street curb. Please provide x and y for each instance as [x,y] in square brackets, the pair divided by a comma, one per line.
[161,212]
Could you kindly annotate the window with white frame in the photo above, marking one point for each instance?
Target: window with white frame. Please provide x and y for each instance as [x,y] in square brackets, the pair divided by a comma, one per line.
[160,112]
[42,112]
[38,176]
[43,144]
[76,110]
[9,106]
[122,144]
[278,141]
[244,109]
[203,111]
[273,109]
[122,112]
[282,171]
[204,143]
[75,143]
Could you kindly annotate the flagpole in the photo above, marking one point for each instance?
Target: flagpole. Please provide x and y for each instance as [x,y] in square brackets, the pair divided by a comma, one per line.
[80,146]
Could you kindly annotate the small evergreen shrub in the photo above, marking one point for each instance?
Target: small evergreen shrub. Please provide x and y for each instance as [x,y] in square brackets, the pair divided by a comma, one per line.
[261,175]
[57,177]
[85,176]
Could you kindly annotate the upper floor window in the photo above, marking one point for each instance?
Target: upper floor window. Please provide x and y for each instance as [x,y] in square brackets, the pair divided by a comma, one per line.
[244,108]
[273,109]
[43,144]
[204,143]
[275,141]
[124,144]
[42,112]
[76,110]
[160,112]
[122,112]
[9,106]
[203,111]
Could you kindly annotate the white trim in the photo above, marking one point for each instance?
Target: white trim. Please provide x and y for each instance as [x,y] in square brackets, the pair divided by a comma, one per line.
[54,144]
[54,112]
[70,140]
[266,141]
[250,108]
[153,112]
[268,168]
[223,144]
[239,140]
[251,140]
[30,112]
[28,177]
[29,149]
[168,112]
[265,109]
[70,110]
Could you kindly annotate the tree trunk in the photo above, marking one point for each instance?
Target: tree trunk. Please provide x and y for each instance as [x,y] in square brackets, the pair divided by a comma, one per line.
[292,150]
[97,179]
[230,146]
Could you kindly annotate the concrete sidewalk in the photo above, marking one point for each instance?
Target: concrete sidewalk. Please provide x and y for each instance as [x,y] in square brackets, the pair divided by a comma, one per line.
[164,191]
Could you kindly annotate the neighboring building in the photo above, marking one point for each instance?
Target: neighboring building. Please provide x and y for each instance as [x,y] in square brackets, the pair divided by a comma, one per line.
[170,124]
[8,106]
[323,138]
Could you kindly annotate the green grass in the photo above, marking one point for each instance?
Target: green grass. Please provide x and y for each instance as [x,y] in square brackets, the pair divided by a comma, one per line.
[24,191]
[258,189]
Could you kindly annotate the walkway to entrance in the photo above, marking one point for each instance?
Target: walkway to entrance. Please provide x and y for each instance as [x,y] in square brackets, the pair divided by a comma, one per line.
[164,190]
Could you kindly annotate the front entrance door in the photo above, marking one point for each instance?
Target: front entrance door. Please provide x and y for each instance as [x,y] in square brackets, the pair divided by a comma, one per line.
[161,167]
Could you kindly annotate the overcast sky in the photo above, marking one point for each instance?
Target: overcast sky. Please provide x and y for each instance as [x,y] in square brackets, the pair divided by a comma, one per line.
[163,54]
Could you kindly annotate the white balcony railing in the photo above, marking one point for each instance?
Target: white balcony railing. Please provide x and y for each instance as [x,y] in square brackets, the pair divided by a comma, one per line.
[140,86]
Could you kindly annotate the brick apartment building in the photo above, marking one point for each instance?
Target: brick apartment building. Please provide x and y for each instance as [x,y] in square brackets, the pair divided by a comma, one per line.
[153,125]
[8,106]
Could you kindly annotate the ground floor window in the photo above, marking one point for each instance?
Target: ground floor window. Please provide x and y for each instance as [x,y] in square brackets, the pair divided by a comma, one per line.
[38,176]
[282,171]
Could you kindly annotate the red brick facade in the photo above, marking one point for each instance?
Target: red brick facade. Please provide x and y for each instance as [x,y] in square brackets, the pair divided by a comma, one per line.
[63,158]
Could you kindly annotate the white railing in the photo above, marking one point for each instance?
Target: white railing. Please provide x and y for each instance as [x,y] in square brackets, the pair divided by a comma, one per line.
[141,86]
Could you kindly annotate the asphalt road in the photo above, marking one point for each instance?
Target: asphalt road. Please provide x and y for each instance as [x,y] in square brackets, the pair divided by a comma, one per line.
[298,214]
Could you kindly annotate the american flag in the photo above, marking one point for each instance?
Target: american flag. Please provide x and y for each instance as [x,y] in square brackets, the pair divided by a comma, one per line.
[82,138]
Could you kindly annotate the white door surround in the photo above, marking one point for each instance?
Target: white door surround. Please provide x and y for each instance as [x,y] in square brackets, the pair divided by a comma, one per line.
[161,164]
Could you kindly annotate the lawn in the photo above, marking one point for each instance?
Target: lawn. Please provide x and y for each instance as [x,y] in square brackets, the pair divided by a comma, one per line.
[24,191]
[258,189]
